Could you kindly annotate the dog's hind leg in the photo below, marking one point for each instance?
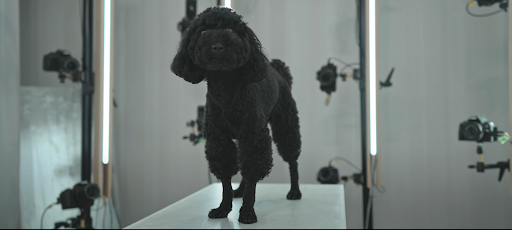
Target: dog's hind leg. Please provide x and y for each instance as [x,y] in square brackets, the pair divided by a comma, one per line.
[239,192]
[284,121]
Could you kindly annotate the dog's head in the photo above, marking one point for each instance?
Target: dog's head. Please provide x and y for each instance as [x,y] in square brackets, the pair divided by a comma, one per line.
[219,41]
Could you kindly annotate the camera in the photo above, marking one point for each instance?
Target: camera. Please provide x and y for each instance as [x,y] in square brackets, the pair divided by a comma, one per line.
[479,129]
[327,77]
[328,175]
[83,194]
[193,137]
[60,61]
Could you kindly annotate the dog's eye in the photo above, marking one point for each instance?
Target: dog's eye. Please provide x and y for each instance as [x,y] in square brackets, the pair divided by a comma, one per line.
[229,30]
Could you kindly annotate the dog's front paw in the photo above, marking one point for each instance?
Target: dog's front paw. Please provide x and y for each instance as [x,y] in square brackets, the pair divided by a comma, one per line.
[247,216]
[238,193]
[220,212]
[294,195]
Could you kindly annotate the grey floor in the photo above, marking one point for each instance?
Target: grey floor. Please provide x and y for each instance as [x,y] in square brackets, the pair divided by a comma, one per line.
[321,207]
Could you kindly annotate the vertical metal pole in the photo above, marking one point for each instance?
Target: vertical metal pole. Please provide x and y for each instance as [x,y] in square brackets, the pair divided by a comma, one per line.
[87,100]
[362,89]
[87,90]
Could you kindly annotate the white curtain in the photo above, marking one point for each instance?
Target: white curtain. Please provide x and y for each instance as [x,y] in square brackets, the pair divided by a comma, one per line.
[50,147]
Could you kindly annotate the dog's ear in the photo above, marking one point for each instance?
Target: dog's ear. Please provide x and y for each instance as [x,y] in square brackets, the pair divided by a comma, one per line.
[255,69]
[182,65]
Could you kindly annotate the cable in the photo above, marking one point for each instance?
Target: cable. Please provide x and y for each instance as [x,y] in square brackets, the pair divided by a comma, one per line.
[368,209]
[115,211]
[44,212]
[348,66]
[481,15]
[110,213]
[346,161]
[104,212]
[97,209]
[374,165]
[370,199]
[380,190]
[374,184]
[337,59]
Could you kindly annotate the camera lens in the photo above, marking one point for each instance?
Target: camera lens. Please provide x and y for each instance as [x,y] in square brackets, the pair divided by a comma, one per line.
[325,173]
[92,191]
[473,131]
[71,66]
[327,77]
[328,175]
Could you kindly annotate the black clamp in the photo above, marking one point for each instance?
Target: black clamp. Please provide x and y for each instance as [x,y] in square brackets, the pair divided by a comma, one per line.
[356,177]
[388,83]
[88,87]
[502,166]
[195,139]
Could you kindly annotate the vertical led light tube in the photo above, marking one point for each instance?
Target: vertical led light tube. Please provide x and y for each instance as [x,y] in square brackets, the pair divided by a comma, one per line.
[106,81]
[372,76]
[227,3]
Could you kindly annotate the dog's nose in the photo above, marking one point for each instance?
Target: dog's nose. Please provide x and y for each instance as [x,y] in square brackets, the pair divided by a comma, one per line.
[217,47]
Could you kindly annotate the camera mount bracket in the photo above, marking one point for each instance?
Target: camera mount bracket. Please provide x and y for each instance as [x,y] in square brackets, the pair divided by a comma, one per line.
[190,11]
[195,139]
[387,83]
[501,165]
[481,166]
[358,178]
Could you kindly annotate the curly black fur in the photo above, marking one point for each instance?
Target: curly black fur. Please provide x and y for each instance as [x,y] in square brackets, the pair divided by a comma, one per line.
[245,93]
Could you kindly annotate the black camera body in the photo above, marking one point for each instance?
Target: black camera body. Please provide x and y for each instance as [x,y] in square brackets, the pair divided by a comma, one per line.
[60,61]
[328,175]
[83,194]
[327,77]
[479,129]
[487,2]
[184,24]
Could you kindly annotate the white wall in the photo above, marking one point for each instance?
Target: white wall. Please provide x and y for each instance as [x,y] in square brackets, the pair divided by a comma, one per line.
[304,34]
[449,66]
[50,137]
[9,114]
[152,166]
[154,104]
[440,57]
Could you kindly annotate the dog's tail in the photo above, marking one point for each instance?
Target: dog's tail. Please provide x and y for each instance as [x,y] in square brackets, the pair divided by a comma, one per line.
[283,70]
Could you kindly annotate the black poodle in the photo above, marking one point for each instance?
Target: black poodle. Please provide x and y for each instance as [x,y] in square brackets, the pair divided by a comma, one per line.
[245,93]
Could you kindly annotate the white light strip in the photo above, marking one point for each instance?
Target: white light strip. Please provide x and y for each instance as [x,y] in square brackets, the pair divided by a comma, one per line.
[372,78]
[106,81]
[227,3]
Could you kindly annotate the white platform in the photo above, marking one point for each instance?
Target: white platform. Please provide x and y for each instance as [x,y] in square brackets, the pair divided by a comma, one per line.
[321,206]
